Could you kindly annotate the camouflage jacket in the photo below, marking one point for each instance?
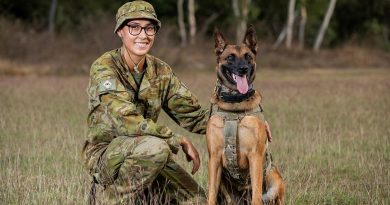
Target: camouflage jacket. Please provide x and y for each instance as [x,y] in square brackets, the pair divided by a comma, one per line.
[118,107]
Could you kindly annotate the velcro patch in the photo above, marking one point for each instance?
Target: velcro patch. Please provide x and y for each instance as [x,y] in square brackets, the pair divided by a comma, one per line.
[107,85]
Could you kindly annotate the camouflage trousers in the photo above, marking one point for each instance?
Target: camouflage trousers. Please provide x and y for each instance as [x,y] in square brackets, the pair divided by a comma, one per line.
[140,170]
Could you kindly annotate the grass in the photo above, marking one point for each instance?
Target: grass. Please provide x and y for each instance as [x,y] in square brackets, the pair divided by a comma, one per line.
[330,127]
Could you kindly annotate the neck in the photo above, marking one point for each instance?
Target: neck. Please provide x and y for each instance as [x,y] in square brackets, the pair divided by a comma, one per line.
[134,62]
[232,96]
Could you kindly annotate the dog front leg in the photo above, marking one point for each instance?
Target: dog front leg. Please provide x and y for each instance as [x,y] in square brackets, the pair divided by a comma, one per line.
[215,170]
[256,172]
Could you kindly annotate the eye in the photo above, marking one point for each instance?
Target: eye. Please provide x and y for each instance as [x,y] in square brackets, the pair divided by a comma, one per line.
[150,28]
[134,27]
[248,57]
[230,58]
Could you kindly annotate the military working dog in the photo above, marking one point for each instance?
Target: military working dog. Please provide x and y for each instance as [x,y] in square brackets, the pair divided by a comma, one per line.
[240,169]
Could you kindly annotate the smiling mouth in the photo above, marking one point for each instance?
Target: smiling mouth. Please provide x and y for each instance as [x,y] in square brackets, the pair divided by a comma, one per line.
[141,44]
[241,81]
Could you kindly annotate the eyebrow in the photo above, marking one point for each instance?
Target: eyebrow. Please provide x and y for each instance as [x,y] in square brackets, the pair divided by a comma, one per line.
[137,24]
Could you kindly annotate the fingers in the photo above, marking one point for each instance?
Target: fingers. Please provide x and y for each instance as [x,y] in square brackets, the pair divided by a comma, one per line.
[268,130]
[191,154]
[196,164]
[188,158]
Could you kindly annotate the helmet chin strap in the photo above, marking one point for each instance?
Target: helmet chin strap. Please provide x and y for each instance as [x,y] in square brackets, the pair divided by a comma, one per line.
[135,64]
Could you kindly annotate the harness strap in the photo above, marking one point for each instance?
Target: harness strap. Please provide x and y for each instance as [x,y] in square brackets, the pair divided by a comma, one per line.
[231,143]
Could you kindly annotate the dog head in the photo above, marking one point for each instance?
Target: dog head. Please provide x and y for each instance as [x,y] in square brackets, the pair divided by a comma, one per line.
[236,64]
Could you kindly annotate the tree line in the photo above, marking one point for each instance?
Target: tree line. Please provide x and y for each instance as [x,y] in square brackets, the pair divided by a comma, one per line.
[293,23]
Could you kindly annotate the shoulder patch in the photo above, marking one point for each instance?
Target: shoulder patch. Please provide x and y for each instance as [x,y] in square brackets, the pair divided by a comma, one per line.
[107,85]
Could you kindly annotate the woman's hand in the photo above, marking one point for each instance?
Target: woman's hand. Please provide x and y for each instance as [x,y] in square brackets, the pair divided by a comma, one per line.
[191,153]
[268,130]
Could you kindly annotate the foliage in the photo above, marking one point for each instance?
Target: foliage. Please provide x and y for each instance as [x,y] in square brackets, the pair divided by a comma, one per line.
[352,18]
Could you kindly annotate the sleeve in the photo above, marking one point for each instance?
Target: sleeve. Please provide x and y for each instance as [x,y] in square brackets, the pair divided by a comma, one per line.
[114,111]
[183,107]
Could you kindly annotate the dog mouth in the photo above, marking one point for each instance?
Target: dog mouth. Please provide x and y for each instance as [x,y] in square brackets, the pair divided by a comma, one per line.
[240,80]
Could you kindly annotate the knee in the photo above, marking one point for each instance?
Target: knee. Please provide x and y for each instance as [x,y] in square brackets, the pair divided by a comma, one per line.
[153,149]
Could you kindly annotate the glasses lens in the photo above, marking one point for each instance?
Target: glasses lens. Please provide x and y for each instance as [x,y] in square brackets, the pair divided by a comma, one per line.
[135,29]
[150,30]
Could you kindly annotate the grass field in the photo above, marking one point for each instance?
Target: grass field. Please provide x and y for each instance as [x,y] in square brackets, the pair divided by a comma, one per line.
[331,132]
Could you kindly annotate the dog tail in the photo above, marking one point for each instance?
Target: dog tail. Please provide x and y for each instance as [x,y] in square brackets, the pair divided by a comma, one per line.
[274,186]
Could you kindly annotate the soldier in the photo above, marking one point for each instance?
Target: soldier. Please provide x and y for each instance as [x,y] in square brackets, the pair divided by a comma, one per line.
[128,154]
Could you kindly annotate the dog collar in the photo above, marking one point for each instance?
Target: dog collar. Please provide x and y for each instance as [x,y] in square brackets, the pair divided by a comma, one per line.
[233,96]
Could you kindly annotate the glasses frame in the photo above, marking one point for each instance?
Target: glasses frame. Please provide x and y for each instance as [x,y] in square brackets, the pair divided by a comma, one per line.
[142,28]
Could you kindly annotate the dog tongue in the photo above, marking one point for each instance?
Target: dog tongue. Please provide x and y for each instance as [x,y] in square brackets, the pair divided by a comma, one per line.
[242,83]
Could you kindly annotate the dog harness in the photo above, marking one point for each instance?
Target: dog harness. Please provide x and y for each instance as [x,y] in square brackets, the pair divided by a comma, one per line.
[231,120]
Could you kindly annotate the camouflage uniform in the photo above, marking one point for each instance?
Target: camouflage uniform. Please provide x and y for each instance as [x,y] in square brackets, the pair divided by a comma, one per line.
[126,151]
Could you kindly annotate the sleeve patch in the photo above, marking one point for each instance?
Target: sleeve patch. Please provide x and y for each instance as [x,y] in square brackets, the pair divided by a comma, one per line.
[107,85]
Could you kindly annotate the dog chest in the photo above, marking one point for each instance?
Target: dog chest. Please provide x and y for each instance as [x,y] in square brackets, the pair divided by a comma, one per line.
[235,131]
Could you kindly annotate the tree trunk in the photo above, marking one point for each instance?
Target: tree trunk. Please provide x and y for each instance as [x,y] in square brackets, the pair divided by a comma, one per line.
[192,21]
[207,23]
[51,17]
[324,25]
[241,11]
[290,23]
[282,34]
[180,19]
[385,34]
[237,14]
[280,39]
[302,25]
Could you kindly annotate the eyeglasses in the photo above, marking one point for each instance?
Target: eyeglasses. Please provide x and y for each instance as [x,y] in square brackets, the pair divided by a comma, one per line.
[135,29]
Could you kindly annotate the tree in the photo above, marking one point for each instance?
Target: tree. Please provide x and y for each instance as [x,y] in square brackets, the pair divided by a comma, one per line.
[324,25]
[302,25]
[180,19]
[241,11]
[192,20]
[290,23]
[282,34]
[51,18]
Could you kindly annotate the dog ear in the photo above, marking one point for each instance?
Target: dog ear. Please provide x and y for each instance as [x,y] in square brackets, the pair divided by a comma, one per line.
[250,38]
[220,42]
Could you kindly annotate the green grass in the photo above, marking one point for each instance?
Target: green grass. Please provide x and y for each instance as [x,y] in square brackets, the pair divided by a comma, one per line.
[330,127]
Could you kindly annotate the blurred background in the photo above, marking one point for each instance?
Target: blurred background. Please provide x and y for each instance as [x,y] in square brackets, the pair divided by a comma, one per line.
[64,37]
[322,69]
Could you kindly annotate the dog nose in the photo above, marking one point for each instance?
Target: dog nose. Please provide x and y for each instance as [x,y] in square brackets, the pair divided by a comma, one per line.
[243,69]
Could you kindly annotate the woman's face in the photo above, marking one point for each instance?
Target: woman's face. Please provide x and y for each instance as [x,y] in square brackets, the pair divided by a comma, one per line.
[137,36]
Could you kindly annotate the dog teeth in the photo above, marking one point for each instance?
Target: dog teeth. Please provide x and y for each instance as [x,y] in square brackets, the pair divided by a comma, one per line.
[234,77]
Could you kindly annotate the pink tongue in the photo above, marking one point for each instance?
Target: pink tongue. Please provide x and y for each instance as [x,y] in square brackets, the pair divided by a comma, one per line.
[242,84]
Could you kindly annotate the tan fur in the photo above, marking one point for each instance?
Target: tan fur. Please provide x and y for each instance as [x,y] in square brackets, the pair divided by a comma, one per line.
[275,187]
[251,135]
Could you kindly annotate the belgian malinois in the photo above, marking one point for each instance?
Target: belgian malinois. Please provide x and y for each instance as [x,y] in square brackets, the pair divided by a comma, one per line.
[237,134]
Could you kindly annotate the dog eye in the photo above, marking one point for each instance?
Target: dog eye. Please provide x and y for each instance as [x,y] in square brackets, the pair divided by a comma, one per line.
[230,58]
[248,57]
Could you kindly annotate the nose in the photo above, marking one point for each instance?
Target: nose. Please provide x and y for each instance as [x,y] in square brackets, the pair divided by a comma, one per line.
[243,69]
[143,33]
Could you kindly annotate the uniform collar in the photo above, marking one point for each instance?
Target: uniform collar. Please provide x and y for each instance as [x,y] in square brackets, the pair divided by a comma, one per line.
[150,70]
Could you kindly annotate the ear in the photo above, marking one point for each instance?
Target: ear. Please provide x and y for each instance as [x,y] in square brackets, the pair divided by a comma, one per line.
[220,42]
[119,33]
[250,38]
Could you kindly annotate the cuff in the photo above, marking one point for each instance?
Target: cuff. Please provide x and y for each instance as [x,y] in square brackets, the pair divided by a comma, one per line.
[174,143]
